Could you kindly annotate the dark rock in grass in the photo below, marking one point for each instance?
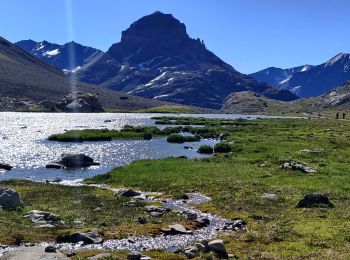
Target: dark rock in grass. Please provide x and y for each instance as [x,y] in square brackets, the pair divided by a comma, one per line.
[76,160]
[218,247]
[91,237]
[50,249]
[41,217]
[54,165]
[202,222]
[201,247]
[222,148]
[297,167]
[10,198]
[205,149]
[6,167]
[101,256]
[315,200]
[128,193]
[176,229]
[134,255]
[191,216]
[191,252]
[142,220]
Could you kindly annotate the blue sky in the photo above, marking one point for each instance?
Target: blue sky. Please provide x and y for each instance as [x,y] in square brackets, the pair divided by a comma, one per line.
[248,34]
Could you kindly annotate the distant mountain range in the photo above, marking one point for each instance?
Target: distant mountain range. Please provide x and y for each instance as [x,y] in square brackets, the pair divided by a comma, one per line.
[25,76]
[157,59]
[307,80]
[69,57]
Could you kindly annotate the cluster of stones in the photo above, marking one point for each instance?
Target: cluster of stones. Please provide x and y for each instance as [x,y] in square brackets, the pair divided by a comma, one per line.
[295,166]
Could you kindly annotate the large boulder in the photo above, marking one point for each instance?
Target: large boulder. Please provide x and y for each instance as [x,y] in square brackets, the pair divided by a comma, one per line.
[80,102]
[128,193]
[91,237]
[315,200]
[10,198]
[76,160]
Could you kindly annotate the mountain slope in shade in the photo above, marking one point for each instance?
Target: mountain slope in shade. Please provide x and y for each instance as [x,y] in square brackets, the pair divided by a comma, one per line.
[68,57]
[24,76]
[157,59]
[311,80]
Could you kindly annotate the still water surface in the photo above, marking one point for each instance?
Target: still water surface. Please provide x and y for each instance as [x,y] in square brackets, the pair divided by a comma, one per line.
[24,145]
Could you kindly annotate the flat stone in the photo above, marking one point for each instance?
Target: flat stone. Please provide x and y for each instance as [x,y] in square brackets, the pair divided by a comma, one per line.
[307,151]
[176,229]
[269,196]
[41,217]
[33,253]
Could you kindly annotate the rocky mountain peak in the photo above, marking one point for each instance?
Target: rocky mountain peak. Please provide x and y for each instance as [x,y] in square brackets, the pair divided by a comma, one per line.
[340,57]
[155,27]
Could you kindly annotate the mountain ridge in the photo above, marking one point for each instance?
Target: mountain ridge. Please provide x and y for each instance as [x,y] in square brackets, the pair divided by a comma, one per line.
[68,57]
[157,59]
[313,81]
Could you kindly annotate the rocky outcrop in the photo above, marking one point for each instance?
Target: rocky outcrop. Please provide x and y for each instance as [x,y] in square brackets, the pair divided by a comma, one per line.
[79,102]
[10,198]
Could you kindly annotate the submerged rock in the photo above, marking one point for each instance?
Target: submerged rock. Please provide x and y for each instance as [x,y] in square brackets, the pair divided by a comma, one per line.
[76,160]
[315,200]
[10,198]
[54,165]
[91,237]
[6,167]
[297,167]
